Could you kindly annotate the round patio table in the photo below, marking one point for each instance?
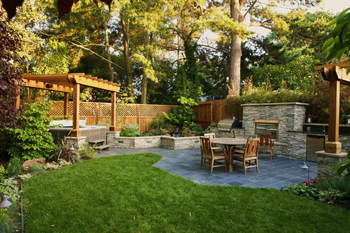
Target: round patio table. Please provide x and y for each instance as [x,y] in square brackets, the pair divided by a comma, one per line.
[229,142]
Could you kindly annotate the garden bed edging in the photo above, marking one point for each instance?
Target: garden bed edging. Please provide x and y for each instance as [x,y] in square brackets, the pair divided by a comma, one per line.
[152,141]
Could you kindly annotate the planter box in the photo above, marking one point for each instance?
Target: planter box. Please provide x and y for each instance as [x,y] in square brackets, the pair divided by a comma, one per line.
[150,142]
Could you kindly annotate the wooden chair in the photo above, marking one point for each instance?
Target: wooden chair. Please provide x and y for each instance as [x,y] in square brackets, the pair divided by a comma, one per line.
[266,143]
[209,156]
[249,157]
[233,134]
[212,135]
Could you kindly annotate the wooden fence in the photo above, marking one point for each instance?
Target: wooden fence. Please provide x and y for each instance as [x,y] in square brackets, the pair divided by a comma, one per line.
[99,113]
[142,114]
[210,111]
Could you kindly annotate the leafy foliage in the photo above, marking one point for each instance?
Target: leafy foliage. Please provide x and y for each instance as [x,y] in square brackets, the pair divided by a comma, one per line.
[8,187]
[130,130]
[14,167]
[343,170]
[87,151]
[303,190]
[339,42]
[63,151]
[9,75]
[183,115]
[32,139]
[2,173]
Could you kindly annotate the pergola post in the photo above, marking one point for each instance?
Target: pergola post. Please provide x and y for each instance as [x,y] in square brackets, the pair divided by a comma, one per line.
[76,132]
[113,126]
[333,145]
[336,75]
[66,101]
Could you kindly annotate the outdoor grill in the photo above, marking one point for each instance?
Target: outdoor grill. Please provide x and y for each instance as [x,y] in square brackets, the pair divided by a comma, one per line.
[226,125]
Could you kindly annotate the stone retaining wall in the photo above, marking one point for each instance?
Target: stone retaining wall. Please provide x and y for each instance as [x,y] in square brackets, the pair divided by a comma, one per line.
[153,141]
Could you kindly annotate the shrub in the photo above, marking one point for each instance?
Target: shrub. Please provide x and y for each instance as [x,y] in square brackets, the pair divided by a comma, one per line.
[2,173]
[303,190]
[14,167]
[8,188]
[343,170]
[87,151]
[36,170]
[333,195]
[31,139]
[130,130]
[63,151]
[183,115]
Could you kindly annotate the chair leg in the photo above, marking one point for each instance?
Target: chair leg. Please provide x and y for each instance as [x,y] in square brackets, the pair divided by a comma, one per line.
[257,165]
[271,154]
[212,166]
[245,167]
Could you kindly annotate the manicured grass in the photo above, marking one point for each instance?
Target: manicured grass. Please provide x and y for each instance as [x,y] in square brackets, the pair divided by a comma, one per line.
[126,194]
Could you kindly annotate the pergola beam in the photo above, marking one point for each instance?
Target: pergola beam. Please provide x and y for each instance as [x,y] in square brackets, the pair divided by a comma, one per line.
[72,82]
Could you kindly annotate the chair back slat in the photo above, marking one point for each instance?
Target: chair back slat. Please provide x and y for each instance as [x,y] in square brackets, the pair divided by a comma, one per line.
[265,139]
[205,145]
[209,135]
[252,147]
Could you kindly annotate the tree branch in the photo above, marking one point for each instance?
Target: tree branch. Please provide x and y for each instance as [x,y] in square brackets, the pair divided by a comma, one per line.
[80,46]
[251,7]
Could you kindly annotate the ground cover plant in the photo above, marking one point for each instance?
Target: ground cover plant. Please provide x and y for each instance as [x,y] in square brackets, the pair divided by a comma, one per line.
[126,194]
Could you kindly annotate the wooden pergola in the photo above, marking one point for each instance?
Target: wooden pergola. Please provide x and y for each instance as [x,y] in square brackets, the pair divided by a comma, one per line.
[336,75]
[72,82]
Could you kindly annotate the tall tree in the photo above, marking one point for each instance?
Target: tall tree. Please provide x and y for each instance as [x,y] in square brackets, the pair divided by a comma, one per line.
[289,56]
[260,14]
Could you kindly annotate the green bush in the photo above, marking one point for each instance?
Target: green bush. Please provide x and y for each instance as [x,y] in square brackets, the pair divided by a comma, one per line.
[36,170]
[2,173]
[32,139]
[303,190]
[343,170]
[87,151]
[183,115]
[130,130]
[14,167]
[9,188]
[334,196]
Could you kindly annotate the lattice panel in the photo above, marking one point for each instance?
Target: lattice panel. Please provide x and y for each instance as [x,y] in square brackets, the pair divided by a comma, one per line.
[88,109]
[104,109]
[57,108]
[154,110]
[127,110]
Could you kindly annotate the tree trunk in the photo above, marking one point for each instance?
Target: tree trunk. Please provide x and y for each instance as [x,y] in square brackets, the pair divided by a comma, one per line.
[235,52]
[144,77]
[127,58]
[109,54]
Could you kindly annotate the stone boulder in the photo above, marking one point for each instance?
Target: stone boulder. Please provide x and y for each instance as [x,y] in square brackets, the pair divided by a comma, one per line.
[29,163]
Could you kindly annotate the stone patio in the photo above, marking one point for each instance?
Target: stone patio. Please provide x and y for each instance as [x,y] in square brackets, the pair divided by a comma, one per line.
[185,162]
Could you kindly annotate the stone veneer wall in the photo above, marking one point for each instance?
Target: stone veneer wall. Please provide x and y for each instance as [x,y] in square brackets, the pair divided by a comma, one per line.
[291,117]
[176,143]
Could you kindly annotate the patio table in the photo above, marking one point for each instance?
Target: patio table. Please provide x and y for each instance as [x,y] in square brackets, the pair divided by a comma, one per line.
[229,142]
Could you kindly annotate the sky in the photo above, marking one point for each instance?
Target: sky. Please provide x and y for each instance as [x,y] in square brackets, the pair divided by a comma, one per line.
[333,6]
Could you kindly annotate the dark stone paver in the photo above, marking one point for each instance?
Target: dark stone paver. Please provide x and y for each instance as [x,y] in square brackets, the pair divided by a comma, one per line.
[272,173]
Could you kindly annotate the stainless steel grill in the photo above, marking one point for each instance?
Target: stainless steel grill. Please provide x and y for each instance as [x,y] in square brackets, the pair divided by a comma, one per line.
[226,124]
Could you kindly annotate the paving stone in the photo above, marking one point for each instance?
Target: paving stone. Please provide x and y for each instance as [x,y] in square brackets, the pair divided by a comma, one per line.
[186,162]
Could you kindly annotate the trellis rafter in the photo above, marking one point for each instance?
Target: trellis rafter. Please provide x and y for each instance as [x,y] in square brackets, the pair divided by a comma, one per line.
[72,82]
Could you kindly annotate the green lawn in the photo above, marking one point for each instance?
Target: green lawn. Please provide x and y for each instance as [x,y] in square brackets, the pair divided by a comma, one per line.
[126,194]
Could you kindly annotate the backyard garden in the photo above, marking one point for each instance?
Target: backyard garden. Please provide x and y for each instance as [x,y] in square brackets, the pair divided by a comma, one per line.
[157,57]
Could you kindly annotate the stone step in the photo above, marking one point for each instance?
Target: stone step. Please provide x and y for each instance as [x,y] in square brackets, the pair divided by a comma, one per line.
[96,142]
[103,147]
